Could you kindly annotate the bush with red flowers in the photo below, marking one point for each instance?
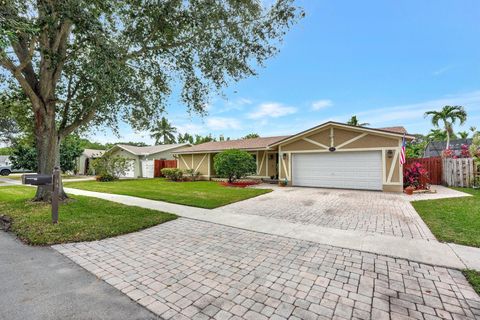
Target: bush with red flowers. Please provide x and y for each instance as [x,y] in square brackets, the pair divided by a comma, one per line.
[416,176]
[239,184]
[465,153]
[448,153]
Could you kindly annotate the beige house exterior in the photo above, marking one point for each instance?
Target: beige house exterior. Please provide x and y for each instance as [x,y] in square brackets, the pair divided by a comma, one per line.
[332,155]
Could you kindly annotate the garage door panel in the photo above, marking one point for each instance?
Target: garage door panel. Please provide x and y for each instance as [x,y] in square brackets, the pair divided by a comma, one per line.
[130,171]
[349,170]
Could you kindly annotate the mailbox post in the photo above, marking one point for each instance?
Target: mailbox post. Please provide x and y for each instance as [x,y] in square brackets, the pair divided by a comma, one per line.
[51,181]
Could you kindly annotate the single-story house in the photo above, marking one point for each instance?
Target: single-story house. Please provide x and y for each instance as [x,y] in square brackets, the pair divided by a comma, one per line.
[436,148]
[331,155]
[140,155]
[84,161]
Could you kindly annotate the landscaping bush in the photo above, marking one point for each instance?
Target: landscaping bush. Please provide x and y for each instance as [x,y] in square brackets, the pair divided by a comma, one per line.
[172,174]
[192,174]
[105,177]
[109,168]
[416,176]
[234,164]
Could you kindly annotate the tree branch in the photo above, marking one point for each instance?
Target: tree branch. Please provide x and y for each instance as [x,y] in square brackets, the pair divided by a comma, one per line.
[79,121]
[60,47]
[29,91]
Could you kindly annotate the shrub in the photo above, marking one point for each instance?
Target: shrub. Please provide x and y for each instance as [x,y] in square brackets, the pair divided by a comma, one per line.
[448,153]
[234,164]
[105,177]
[173,174]
[465,153]
[475,146]
[416,176]
[192,174]
[109,168]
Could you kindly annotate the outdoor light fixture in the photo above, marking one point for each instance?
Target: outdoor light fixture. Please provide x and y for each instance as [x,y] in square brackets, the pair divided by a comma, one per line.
[284,156]
[390,154]
[270,157]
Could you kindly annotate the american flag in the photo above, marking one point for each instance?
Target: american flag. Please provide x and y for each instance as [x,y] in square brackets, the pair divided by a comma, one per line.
[402,152]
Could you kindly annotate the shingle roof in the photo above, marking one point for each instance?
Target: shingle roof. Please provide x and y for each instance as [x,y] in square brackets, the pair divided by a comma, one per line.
[435,148]
[242,144]
[263,143]
[398,129]
[150,149]
[90,153]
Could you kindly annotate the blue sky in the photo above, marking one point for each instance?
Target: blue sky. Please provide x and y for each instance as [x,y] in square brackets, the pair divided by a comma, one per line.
[385,61]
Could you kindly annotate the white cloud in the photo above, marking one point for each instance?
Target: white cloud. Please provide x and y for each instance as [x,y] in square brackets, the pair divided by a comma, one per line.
[237,104]
[412,115]
[442,70]
[220,123]
[271,109]
[321,104]
[190,128]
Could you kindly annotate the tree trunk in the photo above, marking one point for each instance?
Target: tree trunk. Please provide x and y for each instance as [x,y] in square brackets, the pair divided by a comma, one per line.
[448,139]
[48,153]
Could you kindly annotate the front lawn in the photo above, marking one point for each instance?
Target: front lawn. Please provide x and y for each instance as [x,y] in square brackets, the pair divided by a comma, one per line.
[18,177]
[474,278]
[454,220]
[203,194]
[80,219]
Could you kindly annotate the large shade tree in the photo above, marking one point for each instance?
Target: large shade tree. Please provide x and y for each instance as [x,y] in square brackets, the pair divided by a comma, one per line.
[84,63]
[448,116]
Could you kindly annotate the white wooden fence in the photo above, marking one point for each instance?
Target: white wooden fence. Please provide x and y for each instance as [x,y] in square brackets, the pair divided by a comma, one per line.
[458,172]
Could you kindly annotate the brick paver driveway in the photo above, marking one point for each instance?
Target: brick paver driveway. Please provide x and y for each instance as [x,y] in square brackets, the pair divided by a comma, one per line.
[369,211]
[188,269]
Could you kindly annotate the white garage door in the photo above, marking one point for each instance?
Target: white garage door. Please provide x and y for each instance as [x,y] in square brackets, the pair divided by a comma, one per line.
[349,170]
[130,172]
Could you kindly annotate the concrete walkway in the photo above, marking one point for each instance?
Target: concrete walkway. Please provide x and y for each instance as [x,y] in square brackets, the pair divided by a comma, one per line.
[40,283]
[430,252]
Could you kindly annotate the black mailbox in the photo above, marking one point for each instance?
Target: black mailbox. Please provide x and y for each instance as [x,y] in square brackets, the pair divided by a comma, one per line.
[37,179]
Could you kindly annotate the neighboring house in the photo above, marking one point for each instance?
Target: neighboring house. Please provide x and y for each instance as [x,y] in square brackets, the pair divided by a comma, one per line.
[435,148]
[331,155]
[84,166]
[137,155]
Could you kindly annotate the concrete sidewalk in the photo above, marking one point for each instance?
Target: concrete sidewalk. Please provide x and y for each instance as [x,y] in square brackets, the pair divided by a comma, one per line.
[430,252]
[40,283]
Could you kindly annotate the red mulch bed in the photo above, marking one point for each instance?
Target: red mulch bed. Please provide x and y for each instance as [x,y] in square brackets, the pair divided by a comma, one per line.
[239,184]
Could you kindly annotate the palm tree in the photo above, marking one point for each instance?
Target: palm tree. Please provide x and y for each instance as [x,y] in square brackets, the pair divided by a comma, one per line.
[463,134]
[163,132]
[437,135]
[354,122]
[448,116]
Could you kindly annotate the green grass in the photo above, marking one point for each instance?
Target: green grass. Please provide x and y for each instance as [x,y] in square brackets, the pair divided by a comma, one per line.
[474,278]
[454,220]
[64,177]
[203,194]
[80,219]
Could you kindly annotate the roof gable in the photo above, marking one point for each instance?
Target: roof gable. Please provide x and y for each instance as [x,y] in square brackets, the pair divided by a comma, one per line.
[145,151]
[390,131]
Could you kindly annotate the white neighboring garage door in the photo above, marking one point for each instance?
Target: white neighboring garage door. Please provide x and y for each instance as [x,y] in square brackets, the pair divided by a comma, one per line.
[348,170]
[130,172]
